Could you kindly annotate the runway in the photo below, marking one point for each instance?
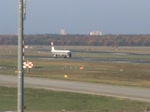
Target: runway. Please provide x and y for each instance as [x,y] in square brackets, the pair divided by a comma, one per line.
[124,92]
[116,57]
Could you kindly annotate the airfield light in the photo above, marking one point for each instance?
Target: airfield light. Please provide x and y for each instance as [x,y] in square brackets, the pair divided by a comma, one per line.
[65,76]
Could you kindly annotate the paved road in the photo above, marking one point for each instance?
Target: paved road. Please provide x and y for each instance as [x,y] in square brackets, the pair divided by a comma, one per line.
[133,93]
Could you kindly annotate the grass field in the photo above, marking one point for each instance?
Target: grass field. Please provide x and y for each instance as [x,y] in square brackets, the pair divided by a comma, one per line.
[53,101]
[129,74]
[132,74]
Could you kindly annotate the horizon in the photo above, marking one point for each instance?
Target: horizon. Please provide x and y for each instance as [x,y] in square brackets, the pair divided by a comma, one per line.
[117,17]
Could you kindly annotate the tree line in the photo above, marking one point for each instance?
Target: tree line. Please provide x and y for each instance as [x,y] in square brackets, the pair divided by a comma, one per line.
[80,40]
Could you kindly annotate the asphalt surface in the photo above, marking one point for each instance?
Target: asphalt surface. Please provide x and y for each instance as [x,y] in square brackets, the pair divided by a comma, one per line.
[103,59]
[132,93]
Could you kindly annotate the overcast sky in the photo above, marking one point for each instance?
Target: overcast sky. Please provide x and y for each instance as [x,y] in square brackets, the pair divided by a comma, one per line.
[78,16]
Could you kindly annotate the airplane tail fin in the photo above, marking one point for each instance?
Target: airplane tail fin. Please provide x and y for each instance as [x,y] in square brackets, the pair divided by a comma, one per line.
[52,47]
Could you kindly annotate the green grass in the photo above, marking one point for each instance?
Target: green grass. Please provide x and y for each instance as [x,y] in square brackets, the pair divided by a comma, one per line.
[52,101]
[130,74]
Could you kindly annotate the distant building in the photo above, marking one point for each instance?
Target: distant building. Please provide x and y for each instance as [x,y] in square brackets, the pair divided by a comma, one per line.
[96,33]
[62,32]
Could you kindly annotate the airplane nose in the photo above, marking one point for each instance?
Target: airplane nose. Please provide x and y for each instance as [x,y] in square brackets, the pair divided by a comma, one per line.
[69,54]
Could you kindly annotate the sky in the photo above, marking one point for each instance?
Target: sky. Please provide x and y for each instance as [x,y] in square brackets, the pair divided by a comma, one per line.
[77,16]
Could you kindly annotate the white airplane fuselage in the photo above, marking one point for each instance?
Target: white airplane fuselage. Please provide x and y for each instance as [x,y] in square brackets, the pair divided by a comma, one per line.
[57,53]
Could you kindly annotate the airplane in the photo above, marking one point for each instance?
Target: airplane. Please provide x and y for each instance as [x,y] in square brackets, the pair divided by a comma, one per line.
[57,53]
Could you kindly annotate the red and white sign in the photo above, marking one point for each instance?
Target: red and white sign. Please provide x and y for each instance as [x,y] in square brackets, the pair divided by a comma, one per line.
[27,65]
